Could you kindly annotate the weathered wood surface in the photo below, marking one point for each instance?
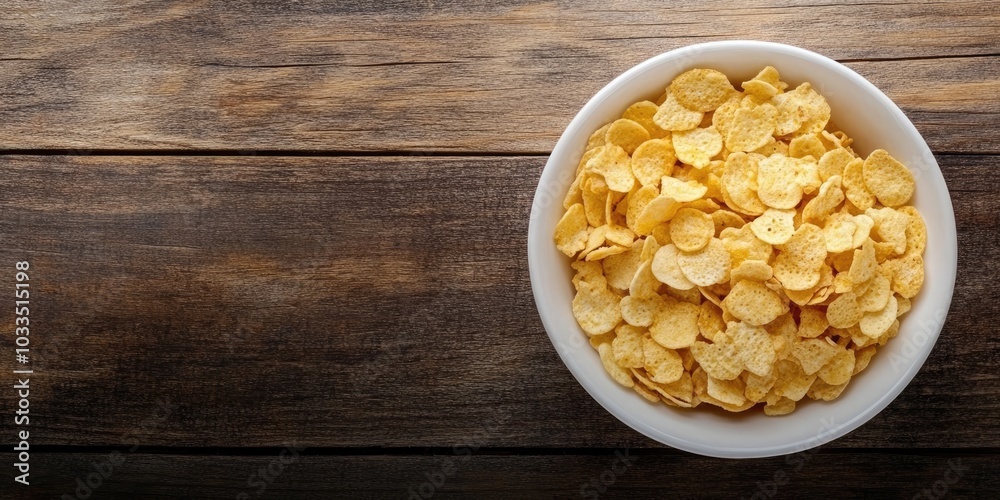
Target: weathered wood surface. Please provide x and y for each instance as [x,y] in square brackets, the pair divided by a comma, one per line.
[437,76]
[849,475]
[362,301]
[370,301]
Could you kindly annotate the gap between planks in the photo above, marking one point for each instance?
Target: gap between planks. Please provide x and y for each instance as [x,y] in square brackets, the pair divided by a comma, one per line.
[445,450]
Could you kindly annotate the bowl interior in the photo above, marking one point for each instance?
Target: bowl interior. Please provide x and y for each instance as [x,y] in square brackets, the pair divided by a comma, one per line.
[866,115]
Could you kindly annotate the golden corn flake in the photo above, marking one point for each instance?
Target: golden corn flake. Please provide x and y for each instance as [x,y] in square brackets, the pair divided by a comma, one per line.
[609,205]
[812,323]
[676,325]
[724,218]
[598,138]
[596,308]
[903,306]
[682,191]
[727,391]
[754,303]
[575,193]
[876,323]
[813,109]
[890,226]
[589,272]
[691,229]
[704,205]
[666,269]
[773,146]
[862,357]
[571,231]
[640,311]
[774,226]
[620,235]
[692,296]
[823,391]
[790,380]
[854,185]
[765,267]
[710,320]
[757,387]
[596,238]
[722,117]
[701,89]
[888,179]
[908,275]
[833,163]
[806,145]
[742,244]
[770,76]
[646,393]
[822,206]
[644,284]
[659,210]
[649,248]
[642,113]
[652,160]
[864,226]
[637,201]
[619,374]
[707,266]
[755,348]
[799,261]
[753,270]
[808,174]
[621,268]
[697,146]
[613,163]
[782,406]
[627,134]
[839,232]
[719,359]
[864,263]
[595,199]
[751,128]
[778,182]
[812,354]
[877,295]
[916,231]
[675,117]
[739,182]
[627,346]
[844,311]
[606,251]
[663,365]
[765,85]
[789,118]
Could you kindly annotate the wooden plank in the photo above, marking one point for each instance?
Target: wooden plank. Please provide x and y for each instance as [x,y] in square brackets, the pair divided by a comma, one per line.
[360,301]
[447,76]
[636,474]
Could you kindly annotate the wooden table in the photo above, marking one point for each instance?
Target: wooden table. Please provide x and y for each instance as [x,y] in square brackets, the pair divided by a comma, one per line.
[258,227]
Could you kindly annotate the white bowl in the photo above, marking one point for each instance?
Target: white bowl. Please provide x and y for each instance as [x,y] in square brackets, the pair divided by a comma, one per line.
[868,116]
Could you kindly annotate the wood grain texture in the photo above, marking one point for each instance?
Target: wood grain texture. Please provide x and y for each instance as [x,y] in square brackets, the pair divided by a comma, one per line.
[437,76]
[362,301]
[848,475]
